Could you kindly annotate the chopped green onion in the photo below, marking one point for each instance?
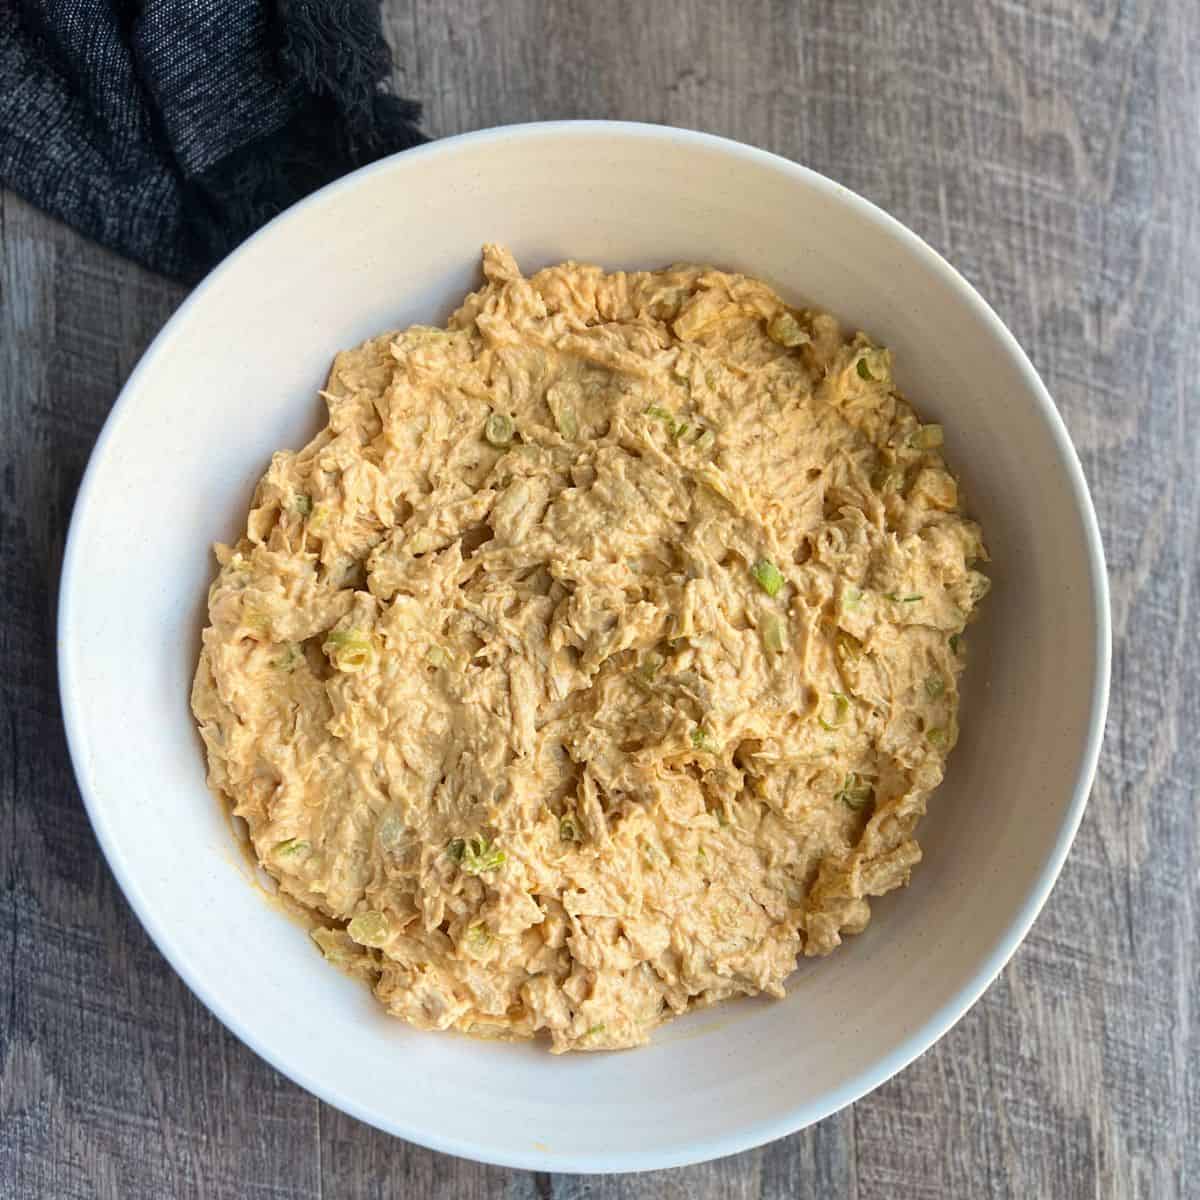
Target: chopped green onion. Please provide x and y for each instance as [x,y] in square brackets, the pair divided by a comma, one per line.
[772,634]
[568,828]
[677,430]
[665,416]
[841,706]
[703,741]
[928,437]
[935,686]
[302,504]
[872,364]
[936,737]
[768,576]
[784,329]
[290,846]
[498,429]
[567,425]
[898,599]
[856,792]
[651,665]
[476,854]
[478,938]
[290,659]
[851,597]
[348,649]
[955,642]
[594,1029]
[369,929]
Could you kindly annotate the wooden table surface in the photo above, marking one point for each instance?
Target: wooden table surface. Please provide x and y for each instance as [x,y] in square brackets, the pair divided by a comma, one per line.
[1051,150]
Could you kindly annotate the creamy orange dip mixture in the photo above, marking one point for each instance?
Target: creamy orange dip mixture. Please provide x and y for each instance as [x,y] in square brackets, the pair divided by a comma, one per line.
[600,656]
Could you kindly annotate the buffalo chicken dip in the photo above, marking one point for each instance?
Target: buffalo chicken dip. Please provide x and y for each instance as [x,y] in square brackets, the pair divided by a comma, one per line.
[599,657]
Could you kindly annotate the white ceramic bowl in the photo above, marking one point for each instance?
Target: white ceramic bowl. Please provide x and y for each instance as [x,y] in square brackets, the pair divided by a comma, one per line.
[234,375]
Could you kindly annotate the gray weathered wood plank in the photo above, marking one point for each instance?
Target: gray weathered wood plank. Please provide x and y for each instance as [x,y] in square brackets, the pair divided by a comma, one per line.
[1049,148]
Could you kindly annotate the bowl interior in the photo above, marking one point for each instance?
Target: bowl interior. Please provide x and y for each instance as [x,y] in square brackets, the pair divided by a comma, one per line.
[235,375]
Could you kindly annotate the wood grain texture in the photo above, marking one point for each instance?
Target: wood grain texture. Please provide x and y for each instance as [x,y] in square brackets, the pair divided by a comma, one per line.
[1049,148]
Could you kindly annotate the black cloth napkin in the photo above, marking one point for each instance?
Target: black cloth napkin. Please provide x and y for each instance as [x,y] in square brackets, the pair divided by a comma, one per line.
[171,129]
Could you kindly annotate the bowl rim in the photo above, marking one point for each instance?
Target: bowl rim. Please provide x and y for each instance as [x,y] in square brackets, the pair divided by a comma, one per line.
[935,1026]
